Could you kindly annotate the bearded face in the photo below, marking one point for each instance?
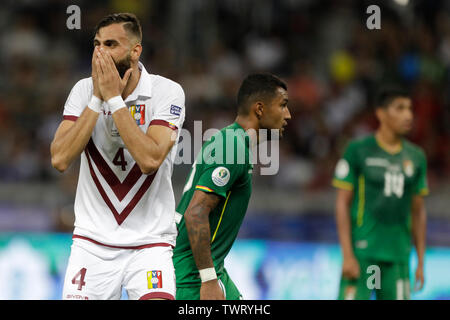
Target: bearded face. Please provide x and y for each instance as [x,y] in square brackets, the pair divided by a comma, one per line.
[123,47]
[123,65]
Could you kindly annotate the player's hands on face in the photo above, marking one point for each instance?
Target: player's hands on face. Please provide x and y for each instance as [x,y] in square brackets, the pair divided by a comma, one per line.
[350,268]
[210,290]
[110,83]
[420,279]
[94,75]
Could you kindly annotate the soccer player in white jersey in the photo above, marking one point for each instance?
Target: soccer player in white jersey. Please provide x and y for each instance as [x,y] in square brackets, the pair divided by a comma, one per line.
[123,122]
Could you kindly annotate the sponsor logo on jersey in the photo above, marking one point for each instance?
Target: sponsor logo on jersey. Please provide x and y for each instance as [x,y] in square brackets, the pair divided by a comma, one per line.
[175,110]
[408,167]
[361,244]
[154,279]
[342,169]
[395,168]
[377,162]
[220,176]
[105,112]
[138,113]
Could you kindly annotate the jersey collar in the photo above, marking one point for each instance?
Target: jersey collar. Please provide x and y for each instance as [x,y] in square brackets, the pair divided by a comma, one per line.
[385,149]
[143,90]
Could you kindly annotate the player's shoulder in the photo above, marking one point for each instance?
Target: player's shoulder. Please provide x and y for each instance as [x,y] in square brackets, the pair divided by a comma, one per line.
[414,148]
[84,84]
[360,143]
[234,133]
[80,94]
[236,142]
[163,85]
[226,135]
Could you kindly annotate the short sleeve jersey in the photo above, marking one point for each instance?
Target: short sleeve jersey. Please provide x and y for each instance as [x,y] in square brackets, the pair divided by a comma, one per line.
[115,203]
[223,167]
[383,186]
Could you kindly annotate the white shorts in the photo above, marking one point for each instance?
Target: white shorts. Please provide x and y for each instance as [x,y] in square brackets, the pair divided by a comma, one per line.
[97,272]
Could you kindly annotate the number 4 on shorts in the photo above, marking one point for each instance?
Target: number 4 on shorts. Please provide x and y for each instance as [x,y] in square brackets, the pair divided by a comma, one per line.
[79,278]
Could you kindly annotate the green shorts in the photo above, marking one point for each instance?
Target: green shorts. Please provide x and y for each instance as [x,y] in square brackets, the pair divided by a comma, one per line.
[229,289]
[391,284]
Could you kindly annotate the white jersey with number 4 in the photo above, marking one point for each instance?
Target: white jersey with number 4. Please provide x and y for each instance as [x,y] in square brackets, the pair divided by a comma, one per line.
[115,204]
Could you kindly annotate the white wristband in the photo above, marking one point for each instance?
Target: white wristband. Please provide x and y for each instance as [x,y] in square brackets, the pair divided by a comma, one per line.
[116,103]
[95,104]
[208,274]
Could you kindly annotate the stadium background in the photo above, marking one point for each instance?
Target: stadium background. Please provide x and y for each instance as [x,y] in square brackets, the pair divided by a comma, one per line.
[287,247]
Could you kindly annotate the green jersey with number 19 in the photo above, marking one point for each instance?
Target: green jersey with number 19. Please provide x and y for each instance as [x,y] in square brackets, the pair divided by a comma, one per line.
[383,184]
[223,167]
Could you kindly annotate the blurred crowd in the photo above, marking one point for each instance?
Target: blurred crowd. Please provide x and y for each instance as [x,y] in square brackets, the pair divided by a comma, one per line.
[331,62]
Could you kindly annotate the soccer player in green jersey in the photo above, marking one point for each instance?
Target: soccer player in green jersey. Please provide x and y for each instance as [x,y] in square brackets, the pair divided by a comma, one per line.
[381,181]
[218,189]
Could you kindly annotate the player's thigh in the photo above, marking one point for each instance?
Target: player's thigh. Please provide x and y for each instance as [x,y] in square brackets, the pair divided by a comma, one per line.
[356,289]
[395,282]
[150,274]
[231,292]
[91,274]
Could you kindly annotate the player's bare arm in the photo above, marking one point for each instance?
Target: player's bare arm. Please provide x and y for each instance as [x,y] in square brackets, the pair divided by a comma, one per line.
[148,149]
[199,233]
[419,226]
[71,137]
[350,266]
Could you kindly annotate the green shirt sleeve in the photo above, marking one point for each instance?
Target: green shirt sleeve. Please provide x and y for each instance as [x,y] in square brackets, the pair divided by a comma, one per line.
[219,178]
[421,185]
[345,173]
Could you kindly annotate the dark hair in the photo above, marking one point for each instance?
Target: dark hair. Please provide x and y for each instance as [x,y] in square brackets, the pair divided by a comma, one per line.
[258,86]
[387,94]
[130,21]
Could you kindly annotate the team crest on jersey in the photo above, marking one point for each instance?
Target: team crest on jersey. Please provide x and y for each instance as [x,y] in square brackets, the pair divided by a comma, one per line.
[138,113]
[154,279]
[220,176]
[408,167]
[342,169]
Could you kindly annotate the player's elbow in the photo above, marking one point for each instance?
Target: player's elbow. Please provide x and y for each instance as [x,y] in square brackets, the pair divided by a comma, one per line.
[150,166]
[59,165]
[58,161]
